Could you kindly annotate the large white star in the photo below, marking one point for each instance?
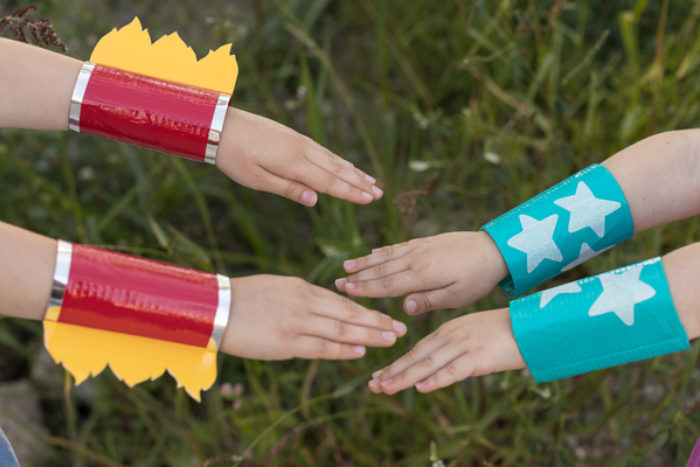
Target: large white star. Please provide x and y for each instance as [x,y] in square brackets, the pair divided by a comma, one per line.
[621,292]
[548,295]
[584,254]
[586,210]
[536,240]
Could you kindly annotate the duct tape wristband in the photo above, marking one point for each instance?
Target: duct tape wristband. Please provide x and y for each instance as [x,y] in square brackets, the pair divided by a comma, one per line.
[561,228]
[613,318]
[173,118]
[115,292]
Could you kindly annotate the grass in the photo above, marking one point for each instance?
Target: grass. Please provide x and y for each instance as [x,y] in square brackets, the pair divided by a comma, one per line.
[500,99]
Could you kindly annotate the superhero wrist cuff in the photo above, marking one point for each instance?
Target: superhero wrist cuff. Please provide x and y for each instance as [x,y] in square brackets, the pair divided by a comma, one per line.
[561,228]
[613,318]
[156,96]
[141,316]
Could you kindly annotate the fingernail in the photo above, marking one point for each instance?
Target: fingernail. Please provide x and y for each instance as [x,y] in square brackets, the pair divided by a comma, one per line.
[370,179]
[350,286]
[376,250]
[374,384]
[400,327]
[387,382]
[411,307]
[358,349]
[377,192]
[420,384]
[309,198]
[366,196]
[349,264]
[389,336]
[376,373]
[339,283]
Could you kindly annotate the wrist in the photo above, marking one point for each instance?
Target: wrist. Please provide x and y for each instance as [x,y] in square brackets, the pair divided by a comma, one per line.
[158,98]
[561,228]
[230,343]
[495,268]
[140,317]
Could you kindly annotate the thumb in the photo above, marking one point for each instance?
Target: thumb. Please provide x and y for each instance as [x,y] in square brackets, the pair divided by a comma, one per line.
[417,303]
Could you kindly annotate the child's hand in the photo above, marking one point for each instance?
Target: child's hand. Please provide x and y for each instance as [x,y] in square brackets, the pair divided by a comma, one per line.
[444,271]
[471,345]
[265,155]
[276,318]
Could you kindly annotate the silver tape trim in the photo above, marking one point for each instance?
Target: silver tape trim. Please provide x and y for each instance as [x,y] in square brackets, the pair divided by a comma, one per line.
[61,272]
[216,127]
[223,309]
[76,100]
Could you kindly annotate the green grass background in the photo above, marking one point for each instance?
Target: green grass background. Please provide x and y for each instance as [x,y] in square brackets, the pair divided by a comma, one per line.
[500,99]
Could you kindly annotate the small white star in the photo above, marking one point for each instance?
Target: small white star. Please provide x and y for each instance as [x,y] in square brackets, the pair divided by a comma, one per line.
[621,292]
[547,295]
[586,210]
[584,254]
[536,240]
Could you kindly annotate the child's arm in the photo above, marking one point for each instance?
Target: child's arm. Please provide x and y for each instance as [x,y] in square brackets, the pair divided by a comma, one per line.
[660,178]
[35,93]
[271,317]
[483,343]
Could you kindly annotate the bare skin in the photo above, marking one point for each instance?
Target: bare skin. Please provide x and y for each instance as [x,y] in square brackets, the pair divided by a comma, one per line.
[254,151]
[272,317]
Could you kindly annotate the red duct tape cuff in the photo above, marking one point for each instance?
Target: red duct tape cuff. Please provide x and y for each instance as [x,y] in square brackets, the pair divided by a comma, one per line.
[153,113]
[121,293]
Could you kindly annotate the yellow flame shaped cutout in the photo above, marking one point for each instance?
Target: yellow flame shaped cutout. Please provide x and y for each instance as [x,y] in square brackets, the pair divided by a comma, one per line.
[132,359]
[168,58]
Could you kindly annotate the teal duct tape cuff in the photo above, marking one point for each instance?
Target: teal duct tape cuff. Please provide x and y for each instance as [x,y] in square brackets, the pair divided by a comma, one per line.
[613,318]
[561,228]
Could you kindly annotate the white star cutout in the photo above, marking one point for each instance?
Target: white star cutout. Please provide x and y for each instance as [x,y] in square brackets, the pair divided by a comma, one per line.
[586,210]
[549,294]
[584,255]
[536,240]
[621,292]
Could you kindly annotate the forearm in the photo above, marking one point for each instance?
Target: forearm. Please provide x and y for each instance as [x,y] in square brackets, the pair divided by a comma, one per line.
[682,268]
[660,177]
[25,279]
[36,87]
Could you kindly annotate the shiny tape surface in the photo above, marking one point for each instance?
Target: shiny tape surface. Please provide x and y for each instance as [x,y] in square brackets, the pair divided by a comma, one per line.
[121,293]
[223,309]
[561,228]
[61,272]
[613,318]
[153,113]
[76,100]
[215,129]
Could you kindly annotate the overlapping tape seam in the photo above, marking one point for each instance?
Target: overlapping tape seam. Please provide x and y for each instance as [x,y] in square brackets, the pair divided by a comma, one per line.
[144,317]
[157,96]
[613,318]
[561,228]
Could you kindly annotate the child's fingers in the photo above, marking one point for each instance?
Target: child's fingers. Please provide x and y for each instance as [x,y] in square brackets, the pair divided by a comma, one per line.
[318,347]
[344,170]
[381,270]
[379,255]
[458,369]
[421,302]
[392,285]
[332,305]
[289,189]
[419,370]
[340,331]
[328,182]
[420,351]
